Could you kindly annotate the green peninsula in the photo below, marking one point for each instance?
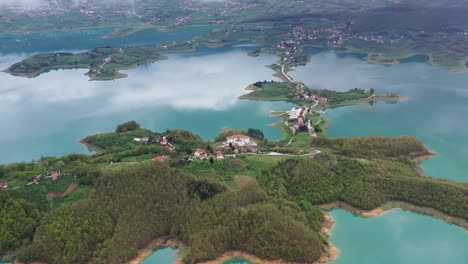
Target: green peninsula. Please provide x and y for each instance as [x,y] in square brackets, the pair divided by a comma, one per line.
[262,197]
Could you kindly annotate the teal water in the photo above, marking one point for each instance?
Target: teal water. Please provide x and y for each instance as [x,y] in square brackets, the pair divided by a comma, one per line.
[163,255]
[397,236]
[238,261]
[45,116]
[90,38]
[435,113]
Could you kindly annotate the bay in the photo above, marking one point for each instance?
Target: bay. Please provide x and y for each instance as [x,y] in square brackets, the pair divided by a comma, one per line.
[162,255]
[397,236]
[435,113]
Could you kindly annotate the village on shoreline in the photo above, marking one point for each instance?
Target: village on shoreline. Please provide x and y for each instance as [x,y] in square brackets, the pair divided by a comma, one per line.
[304,119]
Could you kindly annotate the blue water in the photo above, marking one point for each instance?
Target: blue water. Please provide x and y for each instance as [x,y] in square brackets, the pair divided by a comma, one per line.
[238,261]
[397,236]
[90,38]
[163,255]
[45,116]
[434,114]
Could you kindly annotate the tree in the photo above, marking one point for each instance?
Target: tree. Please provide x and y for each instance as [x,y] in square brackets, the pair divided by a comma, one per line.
[18,219]
[127,126]
[255,133]
[372,91]
[211,160]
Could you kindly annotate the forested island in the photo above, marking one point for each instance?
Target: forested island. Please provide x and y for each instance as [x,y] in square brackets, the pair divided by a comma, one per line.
[103,63]
[211,196]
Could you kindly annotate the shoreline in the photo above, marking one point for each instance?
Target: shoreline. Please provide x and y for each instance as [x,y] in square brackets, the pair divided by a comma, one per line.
[90,146]
[331,252]
[388,206]
[149,249]
[428,155]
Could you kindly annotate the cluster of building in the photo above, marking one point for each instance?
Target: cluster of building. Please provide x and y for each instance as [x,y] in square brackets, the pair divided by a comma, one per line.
[163,141]
[333,36]
[53,175]
[304,96]
[235,144]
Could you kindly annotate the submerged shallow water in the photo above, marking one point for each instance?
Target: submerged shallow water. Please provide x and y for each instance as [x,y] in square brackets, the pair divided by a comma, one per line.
[162,255]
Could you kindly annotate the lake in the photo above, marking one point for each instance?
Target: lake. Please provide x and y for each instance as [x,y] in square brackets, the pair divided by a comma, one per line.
[162,255]
[198,91]
[435,113]
[45,116]
[397,236]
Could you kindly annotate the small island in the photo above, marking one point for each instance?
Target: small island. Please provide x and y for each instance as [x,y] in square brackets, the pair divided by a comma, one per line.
[103,63]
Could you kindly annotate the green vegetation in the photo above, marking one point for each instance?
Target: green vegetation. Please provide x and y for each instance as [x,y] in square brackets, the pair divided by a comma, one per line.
[363,183]
[18,219]
[118,140]
[342,98]
[271,91]
[108,228]
[127,126]
[374,147]
[261,204]
[286,91]
[103,63]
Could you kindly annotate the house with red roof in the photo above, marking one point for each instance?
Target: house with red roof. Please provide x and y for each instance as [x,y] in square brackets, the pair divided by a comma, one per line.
[219,155]
[164,141]
[159,158]
[199,151]
[54,175]
[240,139]
[4,184]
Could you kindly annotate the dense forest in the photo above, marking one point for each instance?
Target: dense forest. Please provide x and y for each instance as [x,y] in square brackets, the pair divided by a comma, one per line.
[133,205]
[365,184]
[272,212]
[374,147]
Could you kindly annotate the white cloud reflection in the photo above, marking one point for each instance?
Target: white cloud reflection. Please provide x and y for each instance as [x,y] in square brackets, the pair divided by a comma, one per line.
[188,82]
[183,82]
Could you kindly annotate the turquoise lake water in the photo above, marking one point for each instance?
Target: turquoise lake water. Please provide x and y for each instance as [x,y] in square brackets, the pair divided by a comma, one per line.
[163,255]
[91,38]
[436,112]
[46,115]
[238,261]
[397,236]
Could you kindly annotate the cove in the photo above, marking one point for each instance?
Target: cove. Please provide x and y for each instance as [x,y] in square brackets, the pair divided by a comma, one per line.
[45,116]
[162,255]
[434,114]
[397,236]
[237,261]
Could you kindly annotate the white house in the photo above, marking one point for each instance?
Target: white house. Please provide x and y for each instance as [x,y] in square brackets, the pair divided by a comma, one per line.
[243,139]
